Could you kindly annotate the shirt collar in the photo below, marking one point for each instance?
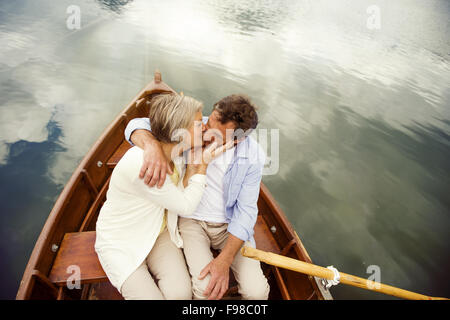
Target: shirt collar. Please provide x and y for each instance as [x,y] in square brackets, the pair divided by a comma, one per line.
[242,149]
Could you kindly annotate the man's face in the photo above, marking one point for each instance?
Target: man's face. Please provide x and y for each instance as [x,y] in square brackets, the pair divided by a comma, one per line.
[216,131]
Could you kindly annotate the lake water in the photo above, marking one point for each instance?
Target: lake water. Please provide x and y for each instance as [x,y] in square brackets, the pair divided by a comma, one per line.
[363,115]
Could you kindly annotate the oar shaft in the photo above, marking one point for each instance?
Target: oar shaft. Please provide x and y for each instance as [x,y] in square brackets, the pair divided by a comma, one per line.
[321,272]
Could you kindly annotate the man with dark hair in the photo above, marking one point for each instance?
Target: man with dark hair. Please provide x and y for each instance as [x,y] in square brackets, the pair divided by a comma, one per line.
[239,110]
[226,215]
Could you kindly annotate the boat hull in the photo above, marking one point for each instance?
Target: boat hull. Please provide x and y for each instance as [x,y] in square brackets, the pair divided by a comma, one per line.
[78,205]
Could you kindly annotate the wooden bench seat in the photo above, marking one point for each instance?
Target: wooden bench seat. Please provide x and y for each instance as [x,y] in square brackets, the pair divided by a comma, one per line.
[77,249]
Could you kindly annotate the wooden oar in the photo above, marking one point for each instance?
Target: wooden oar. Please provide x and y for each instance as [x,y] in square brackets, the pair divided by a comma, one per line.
[325,273]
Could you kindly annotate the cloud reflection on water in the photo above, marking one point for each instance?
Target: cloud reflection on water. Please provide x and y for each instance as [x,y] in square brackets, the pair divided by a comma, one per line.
[352,105]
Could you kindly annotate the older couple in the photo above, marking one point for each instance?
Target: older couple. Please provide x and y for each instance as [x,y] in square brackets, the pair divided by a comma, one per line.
[155,233]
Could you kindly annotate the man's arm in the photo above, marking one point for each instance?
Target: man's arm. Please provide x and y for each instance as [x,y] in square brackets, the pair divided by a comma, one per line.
[155,165]
[245,211]
[136,124]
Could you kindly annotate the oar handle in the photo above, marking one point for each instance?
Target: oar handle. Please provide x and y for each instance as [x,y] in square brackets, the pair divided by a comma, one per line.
[325,273]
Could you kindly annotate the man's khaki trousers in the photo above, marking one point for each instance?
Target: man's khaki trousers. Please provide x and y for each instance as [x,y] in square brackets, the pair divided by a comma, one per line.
[198,238]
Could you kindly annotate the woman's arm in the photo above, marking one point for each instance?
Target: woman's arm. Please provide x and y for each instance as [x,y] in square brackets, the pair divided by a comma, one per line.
[169,196]
[184,202]
[190,171]
[199,158]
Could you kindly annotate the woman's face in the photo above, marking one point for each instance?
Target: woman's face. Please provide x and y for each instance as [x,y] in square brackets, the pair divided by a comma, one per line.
[196,131]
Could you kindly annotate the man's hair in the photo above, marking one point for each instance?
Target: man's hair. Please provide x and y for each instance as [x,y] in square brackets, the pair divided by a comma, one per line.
[239,109]
[170,112]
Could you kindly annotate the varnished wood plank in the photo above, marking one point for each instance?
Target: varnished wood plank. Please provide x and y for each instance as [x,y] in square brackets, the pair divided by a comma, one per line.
[101,197]
[104,291]
[77,249]
[39,276]
[74,210]
[264,238]
[288,247]
[60,294]
[118,154]
[90,182]
[281,284]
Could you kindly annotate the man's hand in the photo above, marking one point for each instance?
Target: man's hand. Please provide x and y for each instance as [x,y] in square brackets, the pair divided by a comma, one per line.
[155,165]
[219,269]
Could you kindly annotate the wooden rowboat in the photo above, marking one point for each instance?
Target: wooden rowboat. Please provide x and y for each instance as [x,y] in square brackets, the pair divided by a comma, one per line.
[64,251]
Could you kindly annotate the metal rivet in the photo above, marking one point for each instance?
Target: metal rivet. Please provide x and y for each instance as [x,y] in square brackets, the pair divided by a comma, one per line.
[55,247]
[99,164]
[273,229]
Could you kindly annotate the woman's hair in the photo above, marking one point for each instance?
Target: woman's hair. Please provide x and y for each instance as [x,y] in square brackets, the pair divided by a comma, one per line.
[170,112]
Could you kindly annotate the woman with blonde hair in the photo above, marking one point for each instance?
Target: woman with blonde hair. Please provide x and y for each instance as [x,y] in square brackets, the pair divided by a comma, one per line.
[137,241]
